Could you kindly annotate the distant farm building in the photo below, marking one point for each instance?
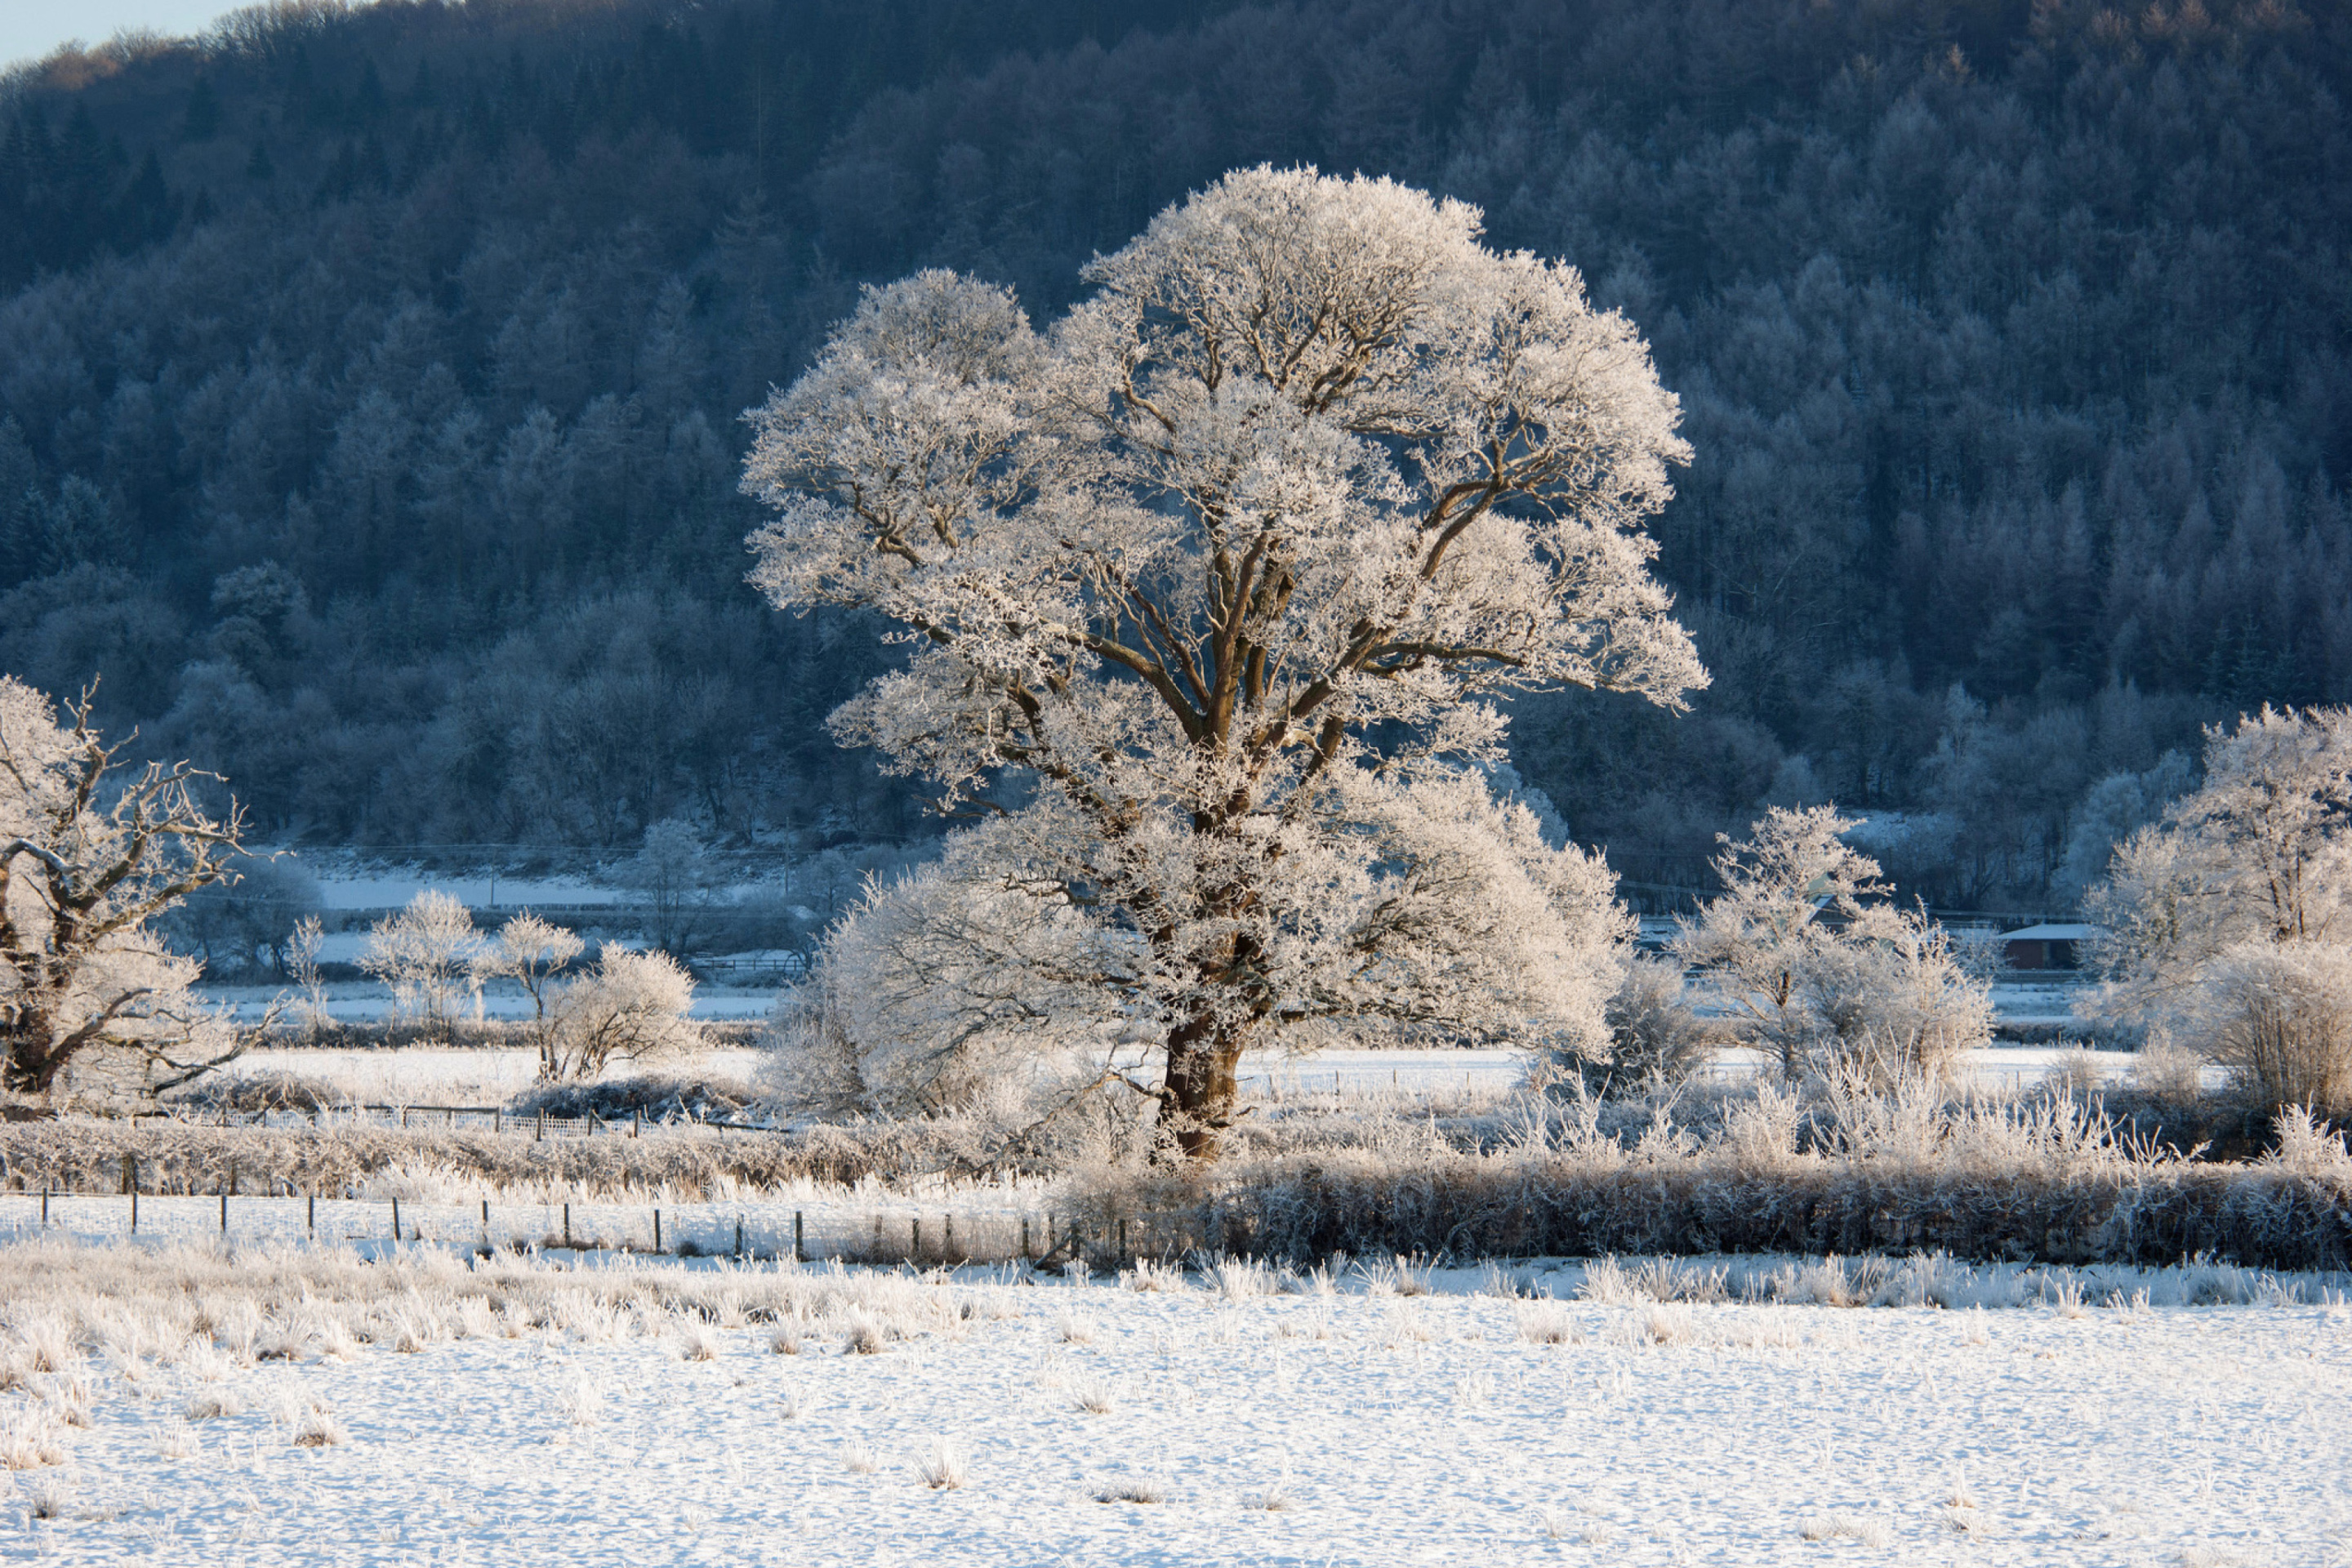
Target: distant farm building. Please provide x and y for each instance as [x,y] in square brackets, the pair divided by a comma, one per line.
[2047,946]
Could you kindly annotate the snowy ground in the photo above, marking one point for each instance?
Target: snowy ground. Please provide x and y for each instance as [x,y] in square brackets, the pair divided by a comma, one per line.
[390,890]
[366,1002]
[422,1076]
[2035,999]
[1471,1074]
[1357,1426]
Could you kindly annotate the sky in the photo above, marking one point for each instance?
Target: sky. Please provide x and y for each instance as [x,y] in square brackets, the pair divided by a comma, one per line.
[31,28]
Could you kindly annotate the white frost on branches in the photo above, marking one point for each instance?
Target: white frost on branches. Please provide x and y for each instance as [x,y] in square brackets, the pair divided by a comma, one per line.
[971,982]
[628,1007]
[1823,980]
[92,1004]
[2230,921]
[531,951]
[1231,561]
[424,954]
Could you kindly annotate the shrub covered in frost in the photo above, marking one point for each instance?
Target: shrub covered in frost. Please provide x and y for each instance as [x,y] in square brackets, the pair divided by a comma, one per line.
[2280,1015]
[628,1007]
[1819,978]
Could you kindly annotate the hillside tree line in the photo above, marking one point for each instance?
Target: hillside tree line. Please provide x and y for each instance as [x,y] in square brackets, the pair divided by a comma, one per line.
[369,379]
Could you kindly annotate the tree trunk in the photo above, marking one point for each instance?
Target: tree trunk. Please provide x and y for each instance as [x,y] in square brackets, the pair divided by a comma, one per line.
[33,1062]
[1203,1084]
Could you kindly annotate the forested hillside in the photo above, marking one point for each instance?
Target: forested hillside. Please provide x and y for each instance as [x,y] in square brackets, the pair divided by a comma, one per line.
[369,379]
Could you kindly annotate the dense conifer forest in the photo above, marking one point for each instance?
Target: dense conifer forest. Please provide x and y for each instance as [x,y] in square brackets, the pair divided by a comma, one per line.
[370,378]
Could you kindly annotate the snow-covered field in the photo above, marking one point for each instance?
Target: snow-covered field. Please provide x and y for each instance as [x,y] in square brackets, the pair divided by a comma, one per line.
[424,1075]
[1012,1420]
[390,890]
[1471,1074]
[2019,999]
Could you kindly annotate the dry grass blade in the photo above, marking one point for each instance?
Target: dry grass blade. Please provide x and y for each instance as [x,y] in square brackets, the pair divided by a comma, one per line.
[944,1468]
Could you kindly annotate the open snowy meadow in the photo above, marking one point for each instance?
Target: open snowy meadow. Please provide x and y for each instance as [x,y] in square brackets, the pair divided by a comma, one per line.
[176,1403]
[423,1075]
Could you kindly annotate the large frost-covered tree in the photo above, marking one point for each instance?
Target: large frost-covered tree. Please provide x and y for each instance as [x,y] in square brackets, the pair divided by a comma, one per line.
[89,852]
[1231,563]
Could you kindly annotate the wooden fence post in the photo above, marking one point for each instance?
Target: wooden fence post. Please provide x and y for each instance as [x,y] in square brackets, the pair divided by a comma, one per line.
[739,1239]
[314,1214]
[395,1222]
[915,1241]
[798,1255]
[567,1224]
[658,1230]
[1024,1235]
[224,1201]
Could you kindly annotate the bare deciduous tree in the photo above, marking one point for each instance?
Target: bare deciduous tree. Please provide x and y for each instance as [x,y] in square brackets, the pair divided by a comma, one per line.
[423,953]
[88,853]
[672,875]
[631,1006]
[531,951]
[1230,562]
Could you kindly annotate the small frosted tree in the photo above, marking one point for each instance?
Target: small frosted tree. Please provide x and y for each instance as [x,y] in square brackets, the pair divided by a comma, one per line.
[424,954]
[2279,1015]
[2259,857]
[671,873]
[531,953]
[1888,997]
[1824,981]
[1756,938]
[302,947]
[628,1007]
[1230,564]
[89,852]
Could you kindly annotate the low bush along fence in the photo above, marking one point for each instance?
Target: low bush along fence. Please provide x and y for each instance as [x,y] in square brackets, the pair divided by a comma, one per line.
[2040,1179]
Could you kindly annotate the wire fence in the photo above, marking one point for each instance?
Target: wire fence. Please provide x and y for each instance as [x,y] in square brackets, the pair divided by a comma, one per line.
[538,1126]
[881,1234]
